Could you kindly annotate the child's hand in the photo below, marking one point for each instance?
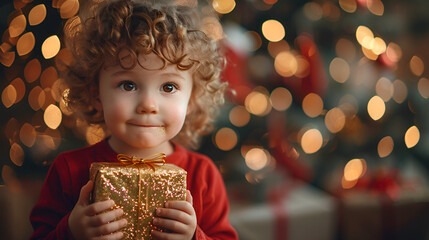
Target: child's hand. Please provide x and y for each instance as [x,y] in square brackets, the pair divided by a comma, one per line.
[85,223]
[178,217]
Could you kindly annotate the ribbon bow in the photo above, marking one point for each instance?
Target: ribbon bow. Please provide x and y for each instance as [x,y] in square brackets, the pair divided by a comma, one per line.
[157,158]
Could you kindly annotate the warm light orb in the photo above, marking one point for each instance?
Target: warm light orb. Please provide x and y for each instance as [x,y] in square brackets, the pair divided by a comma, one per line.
[313,11]
[25,44]
[273,30]
[9,96]
[213,28]
[312,105]
[27,134]
[223,6]
[19,86]
[69,8]
[226,139]
[393,52]
[311,141]
[353,170]
[349,6]
[256,159]
[37,14]
[286,64]
[94,134]
[32,70]
[51,46]
[275,48]
[378,46]
[385,146]
[281,99]
[36,98]
[376,7]
[365,37]
[239,116]
[384,88]
[423,87]
[17,26]
[52,116]
[400,91]
[412,137]
[257,103]
[348,184]
[345,49]
[376,108]
[335,120]
[417,66]
[16,154]
[339,70]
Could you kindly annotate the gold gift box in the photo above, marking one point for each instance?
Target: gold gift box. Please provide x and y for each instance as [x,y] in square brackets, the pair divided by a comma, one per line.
[138,187]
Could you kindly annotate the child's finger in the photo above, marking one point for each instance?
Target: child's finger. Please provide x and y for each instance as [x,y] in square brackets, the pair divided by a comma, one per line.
[189,197]
[181,205]
[106,217]
[109,228]
[174,214]
[172,225]
[85,192]
[97,207]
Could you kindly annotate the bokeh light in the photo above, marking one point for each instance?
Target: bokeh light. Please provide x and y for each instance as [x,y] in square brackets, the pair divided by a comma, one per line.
[281,99]
[423,87]
[349,6]
[376,108]
[286,64]
[256,159]
[345,49]
[257,103]
[226,139]
[17,26]
[335,120]
[384,88]
[25,44]
[353,170]
[27,135]
[412,137]
[417,66]
[393,52]
[239,116]
[400,91]
[51,46]
[376,7]
[312,105]
[273,30]
[16,154]
[385,146]
[365,37]
[256,40]
[48,77]
[8,96]
[69,8]
[275,48]
[52,116]
[313,11]
[32,70]
[339,70]
[19,86]
[37,14]
[94,134]
[213,28]
[311,141]
[36,98]
[223,6]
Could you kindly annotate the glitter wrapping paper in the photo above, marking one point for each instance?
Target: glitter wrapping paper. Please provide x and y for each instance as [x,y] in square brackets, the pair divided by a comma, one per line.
[138,189]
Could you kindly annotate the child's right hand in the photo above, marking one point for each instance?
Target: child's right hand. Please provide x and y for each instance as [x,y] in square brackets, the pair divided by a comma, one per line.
[85,223]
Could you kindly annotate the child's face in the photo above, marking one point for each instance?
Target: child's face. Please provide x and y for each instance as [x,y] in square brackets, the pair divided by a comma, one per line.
[144,109]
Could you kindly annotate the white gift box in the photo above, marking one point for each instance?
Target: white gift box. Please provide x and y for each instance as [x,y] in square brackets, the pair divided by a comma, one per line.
[310,214]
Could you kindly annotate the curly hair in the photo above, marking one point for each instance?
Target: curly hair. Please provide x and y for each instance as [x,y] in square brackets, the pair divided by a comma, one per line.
[169,31]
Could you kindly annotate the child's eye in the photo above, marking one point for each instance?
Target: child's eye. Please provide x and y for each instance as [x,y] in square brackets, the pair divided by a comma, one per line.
[127,86]
[169,87]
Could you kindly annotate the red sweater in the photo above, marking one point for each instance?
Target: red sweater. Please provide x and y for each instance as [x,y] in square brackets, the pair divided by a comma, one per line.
[70,171]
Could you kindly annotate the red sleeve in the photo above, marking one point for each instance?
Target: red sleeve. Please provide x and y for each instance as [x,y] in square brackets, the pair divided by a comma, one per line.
[49,216]
[214,222]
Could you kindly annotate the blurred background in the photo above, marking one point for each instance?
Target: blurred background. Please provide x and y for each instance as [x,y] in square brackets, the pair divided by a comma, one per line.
[323,135]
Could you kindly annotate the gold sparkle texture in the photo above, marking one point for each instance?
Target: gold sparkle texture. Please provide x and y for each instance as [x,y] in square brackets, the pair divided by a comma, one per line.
[139,190]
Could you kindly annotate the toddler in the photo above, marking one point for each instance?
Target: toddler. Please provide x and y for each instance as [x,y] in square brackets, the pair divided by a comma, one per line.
[147,74]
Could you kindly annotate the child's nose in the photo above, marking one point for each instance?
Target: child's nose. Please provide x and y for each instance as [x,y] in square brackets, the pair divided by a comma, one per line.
[148,104]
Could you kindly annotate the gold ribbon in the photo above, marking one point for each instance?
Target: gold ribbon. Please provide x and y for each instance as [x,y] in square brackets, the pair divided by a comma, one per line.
[151,161]
[157,158]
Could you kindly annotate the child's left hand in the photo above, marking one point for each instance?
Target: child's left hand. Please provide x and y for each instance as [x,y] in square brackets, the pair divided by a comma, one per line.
[178,217]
